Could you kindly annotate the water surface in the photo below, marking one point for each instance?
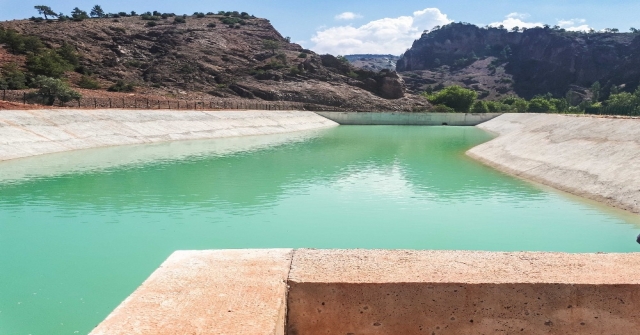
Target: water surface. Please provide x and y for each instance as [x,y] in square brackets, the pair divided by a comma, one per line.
[80,231]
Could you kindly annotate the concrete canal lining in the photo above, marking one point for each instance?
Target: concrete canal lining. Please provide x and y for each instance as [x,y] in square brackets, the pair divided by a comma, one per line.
[25,133]
[408,118]
[384,292]
[593,157]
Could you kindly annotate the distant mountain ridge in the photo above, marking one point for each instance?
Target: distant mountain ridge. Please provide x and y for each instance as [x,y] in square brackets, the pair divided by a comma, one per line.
[528,63]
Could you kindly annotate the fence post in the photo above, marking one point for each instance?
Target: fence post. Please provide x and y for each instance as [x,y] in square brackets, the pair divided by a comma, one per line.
[4,94]
[109,102]
[24,98]
[147,103]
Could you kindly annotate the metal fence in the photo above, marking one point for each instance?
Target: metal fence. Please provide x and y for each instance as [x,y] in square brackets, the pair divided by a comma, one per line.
[25,97]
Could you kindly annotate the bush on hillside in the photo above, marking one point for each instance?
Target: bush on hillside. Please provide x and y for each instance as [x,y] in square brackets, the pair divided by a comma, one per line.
[480,107]
[12,78]
[50,89]
[456,97]
[121,86]
[48,63]
[88,83]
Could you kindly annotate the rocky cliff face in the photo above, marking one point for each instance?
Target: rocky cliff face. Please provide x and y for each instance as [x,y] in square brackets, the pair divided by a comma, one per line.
[207,57]
[539,60]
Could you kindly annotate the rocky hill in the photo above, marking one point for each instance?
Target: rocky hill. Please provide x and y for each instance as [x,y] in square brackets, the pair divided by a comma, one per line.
[497,62]
[213,56]
[373,62]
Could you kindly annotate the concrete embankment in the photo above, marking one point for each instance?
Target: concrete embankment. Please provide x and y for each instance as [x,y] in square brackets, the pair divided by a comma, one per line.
[593,157]
[383,292]
[25,133]
[408,119]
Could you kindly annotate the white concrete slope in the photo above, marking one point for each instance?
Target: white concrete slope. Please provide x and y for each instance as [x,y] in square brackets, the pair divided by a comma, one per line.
[593,157]
[36,132]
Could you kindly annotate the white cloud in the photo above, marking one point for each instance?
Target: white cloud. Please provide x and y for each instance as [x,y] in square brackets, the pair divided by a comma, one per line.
[348,16]
[574,25]
[384,36]
[518,20]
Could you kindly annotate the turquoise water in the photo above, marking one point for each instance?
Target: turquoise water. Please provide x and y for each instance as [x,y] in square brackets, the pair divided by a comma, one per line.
[80,231]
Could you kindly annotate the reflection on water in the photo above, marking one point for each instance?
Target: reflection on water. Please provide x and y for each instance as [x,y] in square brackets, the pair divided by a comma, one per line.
[80,231]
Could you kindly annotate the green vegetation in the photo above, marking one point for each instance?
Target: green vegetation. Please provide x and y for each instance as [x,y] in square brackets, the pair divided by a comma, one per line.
[50,89]
[455,97]
[271,45]
[97,11]
[12,78]
[461,100]
[78,15]
[88,83]
[46,11]
[121,86]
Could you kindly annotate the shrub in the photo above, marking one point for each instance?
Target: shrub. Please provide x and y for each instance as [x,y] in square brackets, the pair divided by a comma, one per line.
[20,44]
[48,63]
[270,45]
[302,55]
[211,25]
[480,107]
[540,105]
[442,109]
[88,83]
[12,78]
[179,19]
[456,97]
[51,89]
[151,24]
[121,86]
[78,15]
[69,54]
[200,15]
[294,70]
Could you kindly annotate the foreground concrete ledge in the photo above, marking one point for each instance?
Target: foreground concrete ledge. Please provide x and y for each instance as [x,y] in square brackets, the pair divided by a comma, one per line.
[461,292]
[384,292]
[411,266]
[208,292]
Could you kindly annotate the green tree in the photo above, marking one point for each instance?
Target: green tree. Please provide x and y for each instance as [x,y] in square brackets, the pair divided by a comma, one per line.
[595,92]
[11,77]
[46,11]
[480,107]
[540,105]
[51,89]
[78,15]
[271,45]
[456,97]
[48,63]
[97,11]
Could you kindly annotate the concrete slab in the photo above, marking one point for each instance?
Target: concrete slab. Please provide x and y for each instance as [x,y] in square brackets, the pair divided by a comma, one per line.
[408,118]
[27,133]
[208,292]
[458,292]
[589,156]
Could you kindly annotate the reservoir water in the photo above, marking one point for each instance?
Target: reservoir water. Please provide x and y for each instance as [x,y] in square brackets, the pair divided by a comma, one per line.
[80,231]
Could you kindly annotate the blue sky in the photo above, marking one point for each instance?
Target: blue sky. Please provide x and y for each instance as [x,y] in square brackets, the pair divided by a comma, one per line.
[373,26]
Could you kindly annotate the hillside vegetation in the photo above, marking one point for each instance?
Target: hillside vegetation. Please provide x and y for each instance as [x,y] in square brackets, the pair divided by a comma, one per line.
[592,71]
[212,55]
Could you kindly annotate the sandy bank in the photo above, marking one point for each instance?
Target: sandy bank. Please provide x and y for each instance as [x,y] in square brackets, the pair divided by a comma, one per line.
[596,158]
[25,133]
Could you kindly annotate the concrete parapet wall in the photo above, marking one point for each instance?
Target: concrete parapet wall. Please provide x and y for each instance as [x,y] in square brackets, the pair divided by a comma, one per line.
[27,133]
[384,292]
[593,157]
[407,118]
